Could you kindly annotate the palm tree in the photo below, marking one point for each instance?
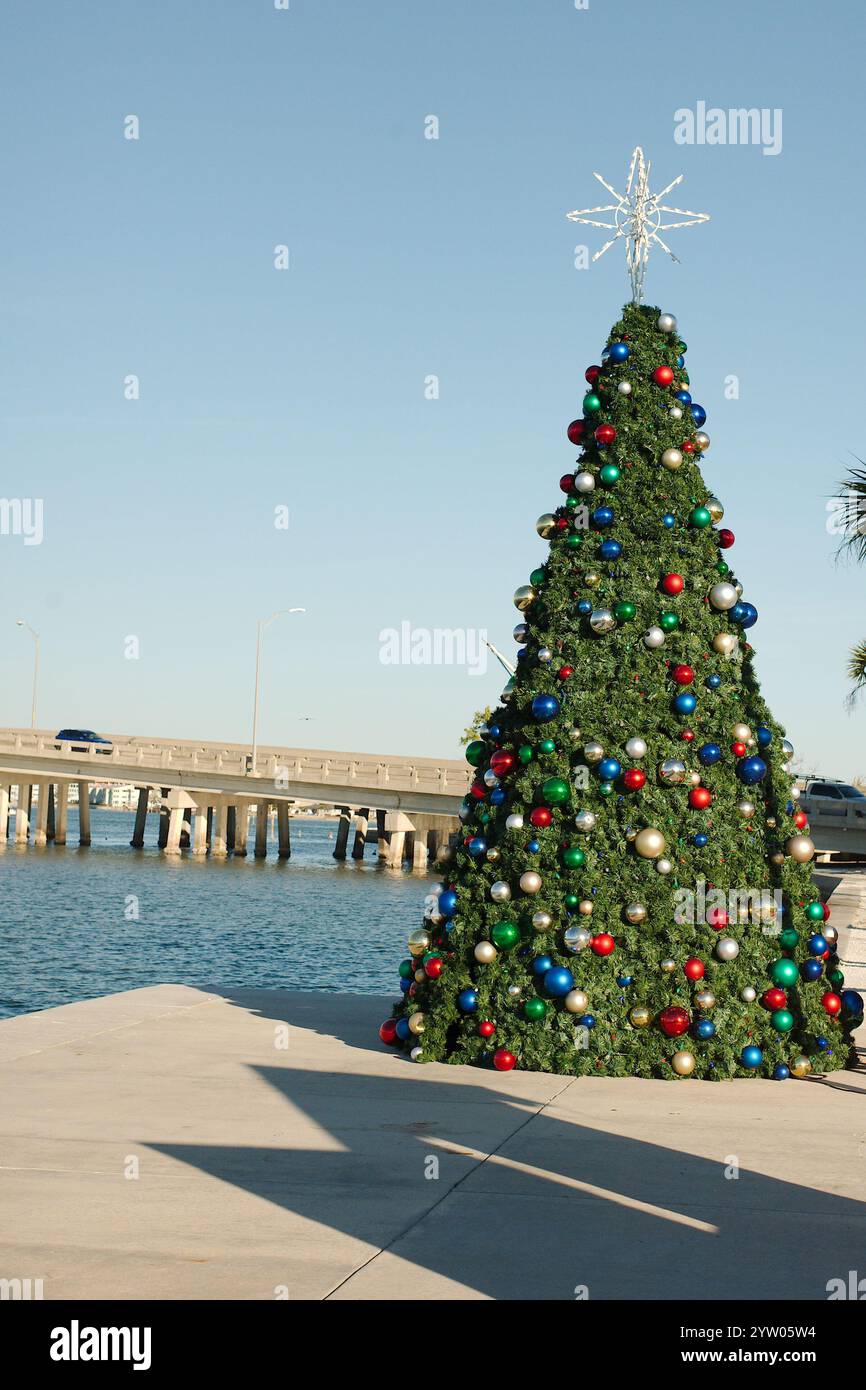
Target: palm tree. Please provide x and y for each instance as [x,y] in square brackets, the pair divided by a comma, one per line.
[853,522]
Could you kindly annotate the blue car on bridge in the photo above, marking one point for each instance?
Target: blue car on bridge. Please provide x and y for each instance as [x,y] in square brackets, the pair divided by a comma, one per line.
[82,739]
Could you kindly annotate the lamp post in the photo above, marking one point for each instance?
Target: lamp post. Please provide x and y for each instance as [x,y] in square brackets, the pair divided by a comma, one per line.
[260,627]
[19,622]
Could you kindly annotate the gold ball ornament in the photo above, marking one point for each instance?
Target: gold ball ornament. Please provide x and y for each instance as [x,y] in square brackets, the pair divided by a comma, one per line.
[546,525]
[801,1066]
[650,843]
[668,965]
[542,921]
[705,1000]
[800,848]
[593,751]
[485,952]
[725,643]
[683,1063]
[420,976]
[592,579]
[672,459]
[703,441]
[640,1016]
[576,1001]
[524,596]
[418,942]
[746,809]
[585,907]
[777,858]
[493,855]
[416,1023]
[715,509]
[741,732]
[530,882]
[634,913]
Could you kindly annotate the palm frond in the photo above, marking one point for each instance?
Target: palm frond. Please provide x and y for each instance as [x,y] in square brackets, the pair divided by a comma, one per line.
[857,672]
[851,514]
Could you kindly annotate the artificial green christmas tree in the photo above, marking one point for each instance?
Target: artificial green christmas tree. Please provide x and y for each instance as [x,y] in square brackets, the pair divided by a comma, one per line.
[633,893]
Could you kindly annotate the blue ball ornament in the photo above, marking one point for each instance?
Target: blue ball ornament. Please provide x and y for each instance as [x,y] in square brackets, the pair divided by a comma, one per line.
[685,703]
[587,1021]
[494,731]
[609,550]
[751,1057]
[736,613]
[584,606]
[749,616]
[699,415]
[558,981]
[609,769]
[477,846]
[624,981]
[681,361]
[467,1001]
[713,682]
[817,944]
[406,985]
[541,965]
[683,397]
[751,770]
[497,796]
[781,1072]
[811,970]
[669,520]
[544,708]
[852,1003]
[448,902]
[601,517]
[705,1028]
[402,1030]
[700,839]
[533,846]
[823,1043]
[619,352]
[764,736]
[709,753]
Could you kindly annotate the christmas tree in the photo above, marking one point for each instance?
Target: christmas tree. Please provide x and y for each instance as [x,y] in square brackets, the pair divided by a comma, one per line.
[633,893]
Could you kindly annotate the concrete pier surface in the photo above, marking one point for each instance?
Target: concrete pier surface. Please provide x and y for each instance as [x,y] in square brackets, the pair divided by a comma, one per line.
[173,1143]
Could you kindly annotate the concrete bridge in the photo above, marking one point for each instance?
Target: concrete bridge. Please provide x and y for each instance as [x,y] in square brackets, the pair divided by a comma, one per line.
[208,793]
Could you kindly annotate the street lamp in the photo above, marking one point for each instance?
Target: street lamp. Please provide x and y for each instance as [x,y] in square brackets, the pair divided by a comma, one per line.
[19,622]
[260,627]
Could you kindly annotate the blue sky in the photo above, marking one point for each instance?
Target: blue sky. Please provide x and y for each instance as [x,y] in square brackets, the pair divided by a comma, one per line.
[409,257]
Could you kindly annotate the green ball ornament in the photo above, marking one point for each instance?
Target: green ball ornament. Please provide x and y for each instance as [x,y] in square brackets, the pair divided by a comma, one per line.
[505,935]
[605,788]
[788,939]
[609,474]
[683,347]
[555,791]
[524,754]
[547,745]
[722,568]
[625,611]
[574,541]
[407,969]
[783,972]
[700,518]
[475,752]
[484,817]
[573,857]
[815,912]
[571,900]
[534,1009]
[836,978]
[537,577]
[591,403]
[668,621]
[572,504]
[782,1020]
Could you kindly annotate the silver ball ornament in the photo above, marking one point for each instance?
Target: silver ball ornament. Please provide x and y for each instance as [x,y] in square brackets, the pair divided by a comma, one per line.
[636,748]
[672,459]
[601,620]
[741,732]
[715,509]
[576,939]
[542,921]
[668,965]
[746,809]
[593,751]
[727,948]
[672,772]
[584,482]
[748,995]
[416,1023]
[416,1054]
[675,412]
[664,866]
[634,913]
[545,654]
[485,952]
[530,882]
[800,848]
[666,323]
[500,891]
[624,388]
[546,525]
[722,597]
[514,821]
[703,441]
[653,638]
[521,632]
[584,822]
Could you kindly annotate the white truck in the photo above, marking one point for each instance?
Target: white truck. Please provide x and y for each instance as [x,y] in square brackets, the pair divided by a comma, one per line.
[837,814]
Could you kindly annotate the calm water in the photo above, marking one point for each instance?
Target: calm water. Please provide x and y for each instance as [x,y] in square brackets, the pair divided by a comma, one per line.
[305,923]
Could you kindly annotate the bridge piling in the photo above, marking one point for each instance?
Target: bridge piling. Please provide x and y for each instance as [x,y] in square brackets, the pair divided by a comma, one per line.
[284,850]
[242,828]
[4,813]
[61,813]
[50,823]
[261,849]
[40,833]
[219,836]
[137,840]
[84,814]
[22,814]
[360,839]
[343,833]
[200,829]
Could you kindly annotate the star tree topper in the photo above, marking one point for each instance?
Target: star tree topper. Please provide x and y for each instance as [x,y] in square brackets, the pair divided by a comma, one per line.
[637,218]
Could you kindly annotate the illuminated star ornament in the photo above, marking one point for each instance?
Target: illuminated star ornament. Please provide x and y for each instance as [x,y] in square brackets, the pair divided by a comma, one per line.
[637,218]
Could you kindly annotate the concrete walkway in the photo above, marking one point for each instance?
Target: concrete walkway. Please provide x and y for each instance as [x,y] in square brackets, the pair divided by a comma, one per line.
[172,1143]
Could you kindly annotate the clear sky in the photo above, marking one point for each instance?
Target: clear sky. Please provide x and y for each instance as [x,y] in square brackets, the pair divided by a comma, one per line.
[408,258]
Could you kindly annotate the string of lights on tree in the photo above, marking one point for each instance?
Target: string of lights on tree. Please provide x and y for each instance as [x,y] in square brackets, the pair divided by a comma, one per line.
[631,772]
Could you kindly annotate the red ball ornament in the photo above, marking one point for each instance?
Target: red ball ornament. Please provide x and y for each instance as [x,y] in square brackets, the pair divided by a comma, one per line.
[717,918]
[501,762]
[738,750]
[540,816]
[433,968]
[826,907]
[503,1060]
[564,672]
[831,1003]
[700,798]
[774,999]
[562,523]
[478,790]
[673,584]
[800,820]
[566,482]
[605,434]
[388,1031]
[603,944]
[592,373]
[725,538]
[575,431]
[683,675]
[634,779]
[663,376]
[687,736]
[694,968]
[673,1021]
[486,1029]
[687,446]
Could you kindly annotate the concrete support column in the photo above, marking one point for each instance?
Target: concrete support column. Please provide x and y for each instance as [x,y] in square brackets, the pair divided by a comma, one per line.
[242,828]
[199,834]
[137,840]
[231,824]
[84,813]
[162,837]
[383,837]
[40,834]
[283,837]
[343,833]
[262,830]
[50,827]
[394,858]
[4,813]
[219,835]
[175,825]
[22,813]
[420,853]
[360,839]
[61,813]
